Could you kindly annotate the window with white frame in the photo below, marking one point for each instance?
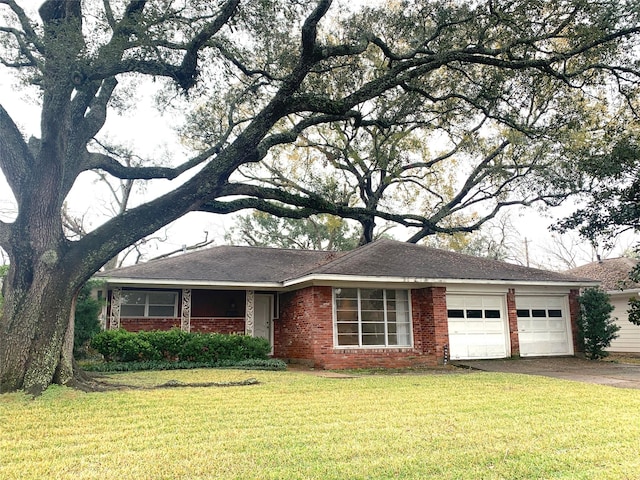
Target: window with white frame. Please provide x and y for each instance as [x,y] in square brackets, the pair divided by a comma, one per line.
[372,317]
[138,303]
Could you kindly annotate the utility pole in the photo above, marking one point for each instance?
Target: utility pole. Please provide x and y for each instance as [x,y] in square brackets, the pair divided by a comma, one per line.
[526,250]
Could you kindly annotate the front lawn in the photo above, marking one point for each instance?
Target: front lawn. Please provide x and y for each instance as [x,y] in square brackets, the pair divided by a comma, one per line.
[295,425]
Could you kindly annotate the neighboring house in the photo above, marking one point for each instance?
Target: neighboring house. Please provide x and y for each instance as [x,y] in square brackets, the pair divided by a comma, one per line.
[385,304]
[613,273]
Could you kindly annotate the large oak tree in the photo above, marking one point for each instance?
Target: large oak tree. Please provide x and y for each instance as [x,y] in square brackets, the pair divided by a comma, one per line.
[265,72]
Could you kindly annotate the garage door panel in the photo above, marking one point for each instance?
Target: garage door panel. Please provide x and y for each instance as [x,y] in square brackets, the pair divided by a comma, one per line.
[494,327]
[482,331]
[543,326]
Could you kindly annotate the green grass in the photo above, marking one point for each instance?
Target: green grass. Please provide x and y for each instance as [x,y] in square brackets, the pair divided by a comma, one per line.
[294,425]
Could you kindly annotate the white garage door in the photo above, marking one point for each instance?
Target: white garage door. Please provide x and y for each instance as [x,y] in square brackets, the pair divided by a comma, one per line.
[477,327]
[543,326]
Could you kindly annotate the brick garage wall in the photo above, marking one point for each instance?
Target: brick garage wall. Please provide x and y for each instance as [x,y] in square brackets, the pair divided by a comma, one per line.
[218,325]
[574,312]
[304,332]
[430,327]
[512,314]
[146,324]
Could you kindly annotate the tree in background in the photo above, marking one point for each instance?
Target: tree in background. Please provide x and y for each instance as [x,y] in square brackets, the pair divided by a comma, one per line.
[318,232]
[608,172]
[513,76]
[497,239]
[596,327]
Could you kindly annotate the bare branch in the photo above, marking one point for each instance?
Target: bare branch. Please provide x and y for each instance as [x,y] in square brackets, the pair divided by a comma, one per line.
[95,161]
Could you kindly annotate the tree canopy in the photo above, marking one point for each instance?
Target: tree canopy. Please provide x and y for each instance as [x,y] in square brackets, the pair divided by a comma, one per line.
[496,86]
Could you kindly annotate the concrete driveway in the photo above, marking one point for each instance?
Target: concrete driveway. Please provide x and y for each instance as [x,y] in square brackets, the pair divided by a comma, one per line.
[568,368]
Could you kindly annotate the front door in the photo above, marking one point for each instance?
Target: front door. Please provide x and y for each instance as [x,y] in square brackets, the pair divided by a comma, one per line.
[263,316]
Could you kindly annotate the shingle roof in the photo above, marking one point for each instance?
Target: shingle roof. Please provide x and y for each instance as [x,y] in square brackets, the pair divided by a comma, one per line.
[226,264]
[390,258]
[612,272]
[380,259]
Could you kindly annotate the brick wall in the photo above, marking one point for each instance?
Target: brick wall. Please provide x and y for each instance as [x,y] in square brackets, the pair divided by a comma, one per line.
[293,335]
[512,315]
[218,325]
[203,325]
[430,329]
[144,324]
[574,311]
[304,332]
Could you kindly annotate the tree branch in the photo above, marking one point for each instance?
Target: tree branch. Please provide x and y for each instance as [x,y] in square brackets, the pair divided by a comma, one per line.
[16,160]
[100,161]
[186,75]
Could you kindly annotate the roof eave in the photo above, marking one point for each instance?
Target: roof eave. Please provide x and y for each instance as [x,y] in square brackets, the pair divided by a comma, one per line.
[327,278]
[137,282]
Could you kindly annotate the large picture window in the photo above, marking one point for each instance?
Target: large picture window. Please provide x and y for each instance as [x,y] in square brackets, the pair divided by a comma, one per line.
[372,317]
[137,303]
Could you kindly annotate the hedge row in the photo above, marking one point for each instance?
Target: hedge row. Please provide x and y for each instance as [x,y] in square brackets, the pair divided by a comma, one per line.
[252,364]
[178,346]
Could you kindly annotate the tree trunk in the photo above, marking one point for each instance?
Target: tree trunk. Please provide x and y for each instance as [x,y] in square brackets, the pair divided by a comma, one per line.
[368,231]
[36,323]
[37,335]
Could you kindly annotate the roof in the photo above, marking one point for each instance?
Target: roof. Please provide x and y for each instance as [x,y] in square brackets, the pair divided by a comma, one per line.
[226,264]
[380,260]
[390,258]
[612,272]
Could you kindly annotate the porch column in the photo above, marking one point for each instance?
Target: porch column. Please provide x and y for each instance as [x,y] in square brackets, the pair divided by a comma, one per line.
[249,315]
[102,295]
[116,298]
[185,323]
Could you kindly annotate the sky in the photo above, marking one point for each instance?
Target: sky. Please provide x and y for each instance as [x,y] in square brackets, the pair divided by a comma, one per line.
[150,141]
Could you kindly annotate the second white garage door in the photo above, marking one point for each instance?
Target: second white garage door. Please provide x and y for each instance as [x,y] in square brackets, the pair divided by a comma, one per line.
[477,327]
[543,326]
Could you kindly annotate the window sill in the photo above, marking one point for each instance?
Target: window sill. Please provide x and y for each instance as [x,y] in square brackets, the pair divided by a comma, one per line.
[371,349]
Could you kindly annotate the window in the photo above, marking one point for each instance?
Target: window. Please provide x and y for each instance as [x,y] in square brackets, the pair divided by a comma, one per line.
[473,313]
[136,303]
[367,317]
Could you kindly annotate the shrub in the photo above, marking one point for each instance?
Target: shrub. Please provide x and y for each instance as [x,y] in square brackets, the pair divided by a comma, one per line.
[87,323]
[251,364]
[595,324]
[123,346]
[175,345]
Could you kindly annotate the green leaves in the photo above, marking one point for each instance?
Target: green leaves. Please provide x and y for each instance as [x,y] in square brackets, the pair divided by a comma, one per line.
[595,325]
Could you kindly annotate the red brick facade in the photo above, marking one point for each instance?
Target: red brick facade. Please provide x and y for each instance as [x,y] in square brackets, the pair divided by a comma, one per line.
[202,325]
[143,324]
[512,315]
[574,312]
[304,332]
[218,325]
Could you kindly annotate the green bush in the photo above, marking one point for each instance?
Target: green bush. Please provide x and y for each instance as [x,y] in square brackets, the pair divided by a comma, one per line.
[595,325]
[175,345]
[87,323]
[251,364]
